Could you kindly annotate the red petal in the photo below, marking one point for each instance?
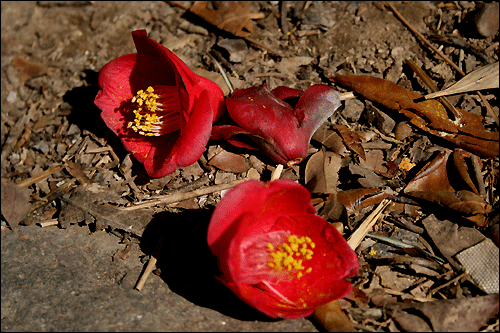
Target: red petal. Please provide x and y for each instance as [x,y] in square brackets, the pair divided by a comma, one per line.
[279,197]
[283,133]
[190,143]
[317,104]
[283,92]
[192,82]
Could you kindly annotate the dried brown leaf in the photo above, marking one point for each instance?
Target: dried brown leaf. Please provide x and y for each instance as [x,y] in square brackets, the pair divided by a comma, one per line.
[351,139]
[459,157]
[432,184]
[330,139]
[375,161]
[75,170]
[321,174]
[234,17]
[368,177]
[428,115]
[28,69]
[15,202]
[230,162]
[432,177]
[450,315]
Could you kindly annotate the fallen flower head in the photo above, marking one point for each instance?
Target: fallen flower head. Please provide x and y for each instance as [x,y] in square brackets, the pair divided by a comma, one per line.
[161,111]
[275,253]
[279,127]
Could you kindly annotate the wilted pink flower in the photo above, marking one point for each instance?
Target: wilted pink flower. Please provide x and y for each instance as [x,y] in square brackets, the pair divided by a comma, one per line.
[279,125]
[275,253]
[159,108]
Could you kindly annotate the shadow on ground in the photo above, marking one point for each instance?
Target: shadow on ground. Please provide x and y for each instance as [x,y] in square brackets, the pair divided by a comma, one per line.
[187,265]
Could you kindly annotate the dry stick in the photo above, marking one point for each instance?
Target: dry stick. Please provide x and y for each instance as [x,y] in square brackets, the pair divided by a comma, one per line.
[40,176]
[427,80]
[151,265]
[356,238]
[176,197]
[444,57]
[432,291]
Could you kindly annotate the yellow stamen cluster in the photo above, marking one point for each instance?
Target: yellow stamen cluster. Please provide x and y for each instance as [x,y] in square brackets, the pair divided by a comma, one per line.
[291,254]
[146,120]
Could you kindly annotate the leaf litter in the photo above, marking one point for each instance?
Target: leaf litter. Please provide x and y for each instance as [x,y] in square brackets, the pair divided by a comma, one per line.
[425,162]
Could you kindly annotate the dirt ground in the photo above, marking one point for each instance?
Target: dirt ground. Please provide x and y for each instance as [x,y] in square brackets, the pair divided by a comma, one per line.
[79,274]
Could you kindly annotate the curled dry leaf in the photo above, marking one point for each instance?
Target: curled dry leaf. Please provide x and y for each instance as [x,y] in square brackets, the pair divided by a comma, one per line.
[321,174]
[432,177]
[459,161]
[432,183]
[230,162]
[232,16]
[351,140]
[356,199]
[428,115]
[330,139]
[15,203]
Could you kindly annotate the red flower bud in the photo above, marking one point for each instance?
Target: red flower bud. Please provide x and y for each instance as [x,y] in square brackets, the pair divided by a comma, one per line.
[275,253]
[161,111]
[281,130]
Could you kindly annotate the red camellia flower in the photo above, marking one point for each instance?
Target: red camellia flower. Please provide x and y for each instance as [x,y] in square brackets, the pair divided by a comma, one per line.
[275,253]
[159,108]
[275,121]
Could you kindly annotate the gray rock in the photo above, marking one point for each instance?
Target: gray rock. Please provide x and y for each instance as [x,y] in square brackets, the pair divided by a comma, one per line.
[237,49]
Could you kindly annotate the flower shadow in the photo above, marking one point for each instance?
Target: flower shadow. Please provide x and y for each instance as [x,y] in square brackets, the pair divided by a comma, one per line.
[84,113]
[187,265]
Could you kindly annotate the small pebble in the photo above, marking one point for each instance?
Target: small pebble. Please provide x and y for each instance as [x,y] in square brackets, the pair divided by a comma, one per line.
[11,98]
[485,21]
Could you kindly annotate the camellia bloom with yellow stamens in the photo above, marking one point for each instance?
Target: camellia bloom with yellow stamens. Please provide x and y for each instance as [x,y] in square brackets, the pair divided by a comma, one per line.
[275,253]
[280,122]
[161,111]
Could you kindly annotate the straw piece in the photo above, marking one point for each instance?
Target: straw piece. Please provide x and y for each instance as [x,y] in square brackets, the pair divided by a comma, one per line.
[485,77]
[277,172]
[48,223]
[358,235]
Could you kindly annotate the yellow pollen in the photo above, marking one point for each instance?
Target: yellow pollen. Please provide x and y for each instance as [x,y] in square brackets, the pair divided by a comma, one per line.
[146,121]
[291,255]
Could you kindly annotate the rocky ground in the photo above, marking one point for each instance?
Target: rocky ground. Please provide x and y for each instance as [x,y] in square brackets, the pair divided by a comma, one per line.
[79,273]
